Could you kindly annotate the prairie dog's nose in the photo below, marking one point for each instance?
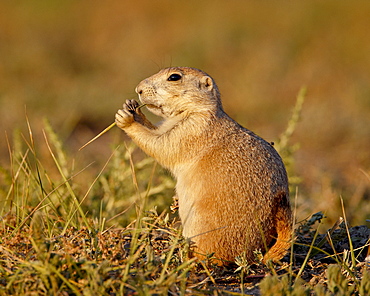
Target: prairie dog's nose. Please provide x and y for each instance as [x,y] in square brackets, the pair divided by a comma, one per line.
[139,89]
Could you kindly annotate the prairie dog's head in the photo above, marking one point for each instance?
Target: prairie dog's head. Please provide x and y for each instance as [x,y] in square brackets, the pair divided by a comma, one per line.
[177,90]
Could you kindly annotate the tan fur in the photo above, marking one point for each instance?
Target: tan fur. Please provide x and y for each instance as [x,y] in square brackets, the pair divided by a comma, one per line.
[232,186]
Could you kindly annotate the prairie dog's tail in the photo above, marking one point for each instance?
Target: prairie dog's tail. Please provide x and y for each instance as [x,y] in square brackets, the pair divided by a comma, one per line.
[284,233]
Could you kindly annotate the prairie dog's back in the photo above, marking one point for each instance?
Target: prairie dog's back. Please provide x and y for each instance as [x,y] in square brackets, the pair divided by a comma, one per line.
[232,185]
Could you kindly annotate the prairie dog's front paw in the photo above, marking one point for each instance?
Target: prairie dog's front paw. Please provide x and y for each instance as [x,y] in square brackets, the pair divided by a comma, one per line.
[125,116]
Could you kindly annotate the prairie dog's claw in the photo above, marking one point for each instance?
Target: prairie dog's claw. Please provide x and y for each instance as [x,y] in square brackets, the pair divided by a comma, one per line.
[131,106]
[124,117]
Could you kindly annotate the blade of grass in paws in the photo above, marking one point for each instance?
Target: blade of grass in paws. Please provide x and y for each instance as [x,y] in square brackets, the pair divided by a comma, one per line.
[104,131]
[97,136]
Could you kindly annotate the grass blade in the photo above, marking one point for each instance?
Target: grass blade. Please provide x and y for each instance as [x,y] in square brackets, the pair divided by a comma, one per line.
[97,136]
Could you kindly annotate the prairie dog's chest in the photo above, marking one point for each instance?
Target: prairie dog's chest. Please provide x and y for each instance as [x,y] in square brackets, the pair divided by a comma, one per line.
[188,190]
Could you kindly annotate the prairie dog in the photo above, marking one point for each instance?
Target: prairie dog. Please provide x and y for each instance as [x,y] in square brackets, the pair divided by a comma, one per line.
[232,185]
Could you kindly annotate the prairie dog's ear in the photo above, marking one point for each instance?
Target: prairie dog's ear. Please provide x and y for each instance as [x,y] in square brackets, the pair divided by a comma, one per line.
[206,83]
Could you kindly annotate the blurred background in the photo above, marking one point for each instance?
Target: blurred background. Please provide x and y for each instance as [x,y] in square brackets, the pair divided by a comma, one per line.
[74,63]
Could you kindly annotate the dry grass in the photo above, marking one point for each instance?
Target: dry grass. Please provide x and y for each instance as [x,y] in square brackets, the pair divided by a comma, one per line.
[75,63]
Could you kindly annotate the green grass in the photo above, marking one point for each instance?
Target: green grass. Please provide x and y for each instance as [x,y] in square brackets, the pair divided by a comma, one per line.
[56,238]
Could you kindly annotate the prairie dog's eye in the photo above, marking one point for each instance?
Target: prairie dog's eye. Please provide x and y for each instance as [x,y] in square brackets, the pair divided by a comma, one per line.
[174,77]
